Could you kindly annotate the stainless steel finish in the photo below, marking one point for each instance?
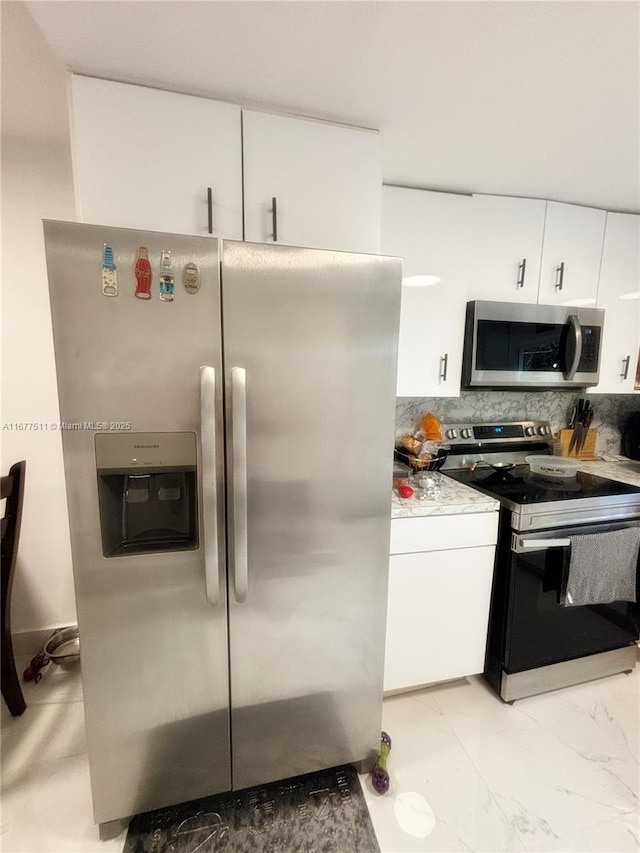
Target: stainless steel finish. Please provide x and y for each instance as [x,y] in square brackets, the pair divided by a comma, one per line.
[316,333]
[444,361]
[532,432]
[625,369]
[123,450]
[522,267]
[576,346]
[514,311]
[154,652]
[554,514]
[238,558]
[521,543]
[209,211]
[542,679]
[560,276]
[63,646]
[274,218]
[209,485]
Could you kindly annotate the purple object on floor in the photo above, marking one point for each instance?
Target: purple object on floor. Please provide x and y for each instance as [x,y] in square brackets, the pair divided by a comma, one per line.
[380,777]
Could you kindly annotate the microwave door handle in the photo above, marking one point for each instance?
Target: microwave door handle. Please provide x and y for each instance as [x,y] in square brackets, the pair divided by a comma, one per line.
[573,347]
[520,544]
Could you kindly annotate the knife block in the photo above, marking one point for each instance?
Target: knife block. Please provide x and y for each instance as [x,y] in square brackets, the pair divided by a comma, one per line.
[588,448]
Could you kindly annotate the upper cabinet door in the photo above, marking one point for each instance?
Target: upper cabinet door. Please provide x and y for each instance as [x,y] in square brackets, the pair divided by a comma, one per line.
[430,231]
[326,180]
[506,246]
[618,295]
[145,158]
[571,254]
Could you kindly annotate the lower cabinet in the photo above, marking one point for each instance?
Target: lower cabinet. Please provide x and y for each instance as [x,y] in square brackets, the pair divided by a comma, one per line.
[440,575]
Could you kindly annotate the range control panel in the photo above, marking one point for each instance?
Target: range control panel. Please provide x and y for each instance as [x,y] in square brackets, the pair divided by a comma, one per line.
[519,431]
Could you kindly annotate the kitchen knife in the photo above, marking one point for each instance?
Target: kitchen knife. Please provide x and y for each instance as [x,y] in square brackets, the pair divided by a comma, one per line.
[587,417]
[576,437]
[575,425]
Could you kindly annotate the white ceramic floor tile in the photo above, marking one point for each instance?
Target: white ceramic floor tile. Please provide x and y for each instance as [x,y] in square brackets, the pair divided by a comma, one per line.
[620,835]
[42,733]
[548,784]
[54,815]
[426,759]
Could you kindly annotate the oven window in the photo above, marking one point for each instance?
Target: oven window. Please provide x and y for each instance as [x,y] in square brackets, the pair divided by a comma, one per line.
[541,630]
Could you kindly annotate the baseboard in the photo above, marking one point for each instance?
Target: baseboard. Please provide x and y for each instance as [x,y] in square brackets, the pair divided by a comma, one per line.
[29,643]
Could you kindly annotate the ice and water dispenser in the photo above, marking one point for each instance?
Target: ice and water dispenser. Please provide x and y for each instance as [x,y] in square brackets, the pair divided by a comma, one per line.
[147,491]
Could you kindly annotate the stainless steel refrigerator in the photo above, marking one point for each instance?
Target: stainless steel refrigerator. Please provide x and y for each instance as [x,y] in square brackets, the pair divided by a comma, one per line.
[227,425]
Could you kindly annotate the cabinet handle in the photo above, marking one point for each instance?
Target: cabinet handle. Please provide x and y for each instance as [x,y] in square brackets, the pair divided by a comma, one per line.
[210,209]
[559,276]
[444,362]
[625,368]
[274,218]
[522,267]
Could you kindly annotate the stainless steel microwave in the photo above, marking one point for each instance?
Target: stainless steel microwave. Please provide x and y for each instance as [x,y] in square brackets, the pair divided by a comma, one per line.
[511,345]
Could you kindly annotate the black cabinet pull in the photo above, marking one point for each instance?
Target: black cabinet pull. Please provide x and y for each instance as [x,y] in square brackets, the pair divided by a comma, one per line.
[444,361]
[559,276]
[274,218]
[625,369]
[210,209]
[522,268]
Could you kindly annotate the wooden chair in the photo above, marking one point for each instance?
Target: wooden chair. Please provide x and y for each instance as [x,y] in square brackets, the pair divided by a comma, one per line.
[13,491]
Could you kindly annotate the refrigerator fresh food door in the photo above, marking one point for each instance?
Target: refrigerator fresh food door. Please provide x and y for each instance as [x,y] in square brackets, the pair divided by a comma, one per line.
[147,532]
[310,340]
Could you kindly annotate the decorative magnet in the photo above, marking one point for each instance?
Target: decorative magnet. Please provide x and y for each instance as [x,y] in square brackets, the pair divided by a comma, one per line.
[191,278]
[166,277]
[142,272]
[109,275]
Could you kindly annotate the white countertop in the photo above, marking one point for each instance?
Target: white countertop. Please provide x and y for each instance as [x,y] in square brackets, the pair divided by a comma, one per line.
[614,468]
[456,498]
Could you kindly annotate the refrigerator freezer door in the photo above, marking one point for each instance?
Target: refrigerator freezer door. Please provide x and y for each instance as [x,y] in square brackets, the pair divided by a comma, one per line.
[313,336]
[154,646]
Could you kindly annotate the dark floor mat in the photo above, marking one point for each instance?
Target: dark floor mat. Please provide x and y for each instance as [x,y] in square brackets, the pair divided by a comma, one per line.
[318,813]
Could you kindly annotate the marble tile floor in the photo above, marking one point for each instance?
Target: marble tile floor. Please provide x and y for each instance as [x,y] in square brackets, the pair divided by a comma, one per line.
[557,772]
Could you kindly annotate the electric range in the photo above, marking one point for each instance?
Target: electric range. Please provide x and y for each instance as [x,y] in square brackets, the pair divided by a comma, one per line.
[537,641]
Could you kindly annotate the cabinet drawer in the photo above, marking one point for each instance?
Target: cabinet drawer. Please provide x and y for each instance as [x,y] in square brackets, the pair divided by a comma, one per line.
[440,533]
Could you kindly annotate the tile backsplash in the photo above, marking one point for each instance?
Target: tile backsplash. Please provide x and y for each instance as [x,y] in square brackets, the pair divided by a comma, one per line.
[611,411]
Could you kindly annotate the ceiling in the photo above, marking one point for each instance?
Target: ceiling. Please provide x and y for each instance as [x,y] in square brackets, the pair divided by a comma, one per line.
[520,98]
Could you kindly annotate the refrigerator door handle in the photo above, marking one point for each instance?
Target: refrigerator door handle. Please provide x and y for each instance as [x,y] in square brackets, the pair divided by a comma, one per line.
[209,488]
[239,560]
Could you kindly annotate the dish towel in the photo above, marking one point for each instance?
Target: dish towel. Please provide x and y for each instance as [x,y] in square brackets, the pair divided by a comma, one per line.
[603,567]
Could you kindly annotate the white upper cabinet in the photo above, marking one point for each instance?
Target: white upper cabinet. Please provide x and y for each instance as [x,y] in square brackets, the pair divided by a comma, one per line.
[145,158]
[618,295]
[506,247]
[430,231]
[326,180]
[571,254]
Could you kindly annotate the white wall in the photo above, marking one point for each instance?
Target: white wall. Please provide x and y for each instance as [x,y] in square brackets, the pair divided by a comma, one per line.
[36,184]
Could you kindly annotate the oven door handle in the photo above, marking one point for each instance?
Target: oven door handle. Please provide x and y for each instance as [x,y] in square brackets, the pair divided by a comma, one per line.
[520,543]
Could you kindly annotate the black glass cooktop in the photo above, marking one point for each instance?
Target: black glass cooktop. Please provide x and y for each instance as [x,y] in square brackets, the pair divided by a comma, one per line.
[519,486]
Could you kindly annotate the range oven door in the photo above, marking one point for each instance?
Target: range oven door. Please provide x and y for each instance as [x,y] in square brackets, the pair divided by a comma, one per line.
[540,628]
